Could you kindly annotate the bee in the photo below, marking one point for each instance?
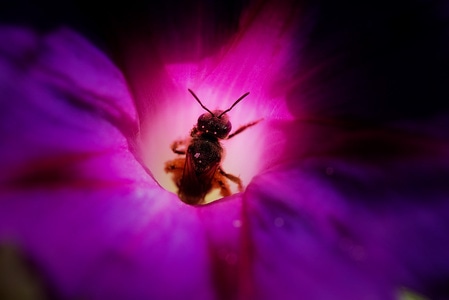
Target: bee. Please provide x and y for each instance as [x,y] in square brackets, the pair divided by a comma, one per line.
[198,169]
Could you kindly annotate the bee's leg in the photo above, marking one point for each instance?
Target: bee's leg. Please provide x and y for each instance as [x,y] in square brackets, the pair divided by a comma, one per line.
[221,182]
[175,147]
[242,128]
[175,164]
[176,167]
[231,177]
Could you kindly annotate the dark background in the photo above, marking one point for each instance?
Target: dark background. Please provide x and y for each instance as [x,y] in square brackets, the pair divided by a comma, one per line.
[386,60]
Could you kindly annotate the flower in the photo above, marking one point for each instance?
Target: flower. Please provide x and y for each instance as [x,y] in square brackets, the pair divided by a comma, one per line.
[346,190]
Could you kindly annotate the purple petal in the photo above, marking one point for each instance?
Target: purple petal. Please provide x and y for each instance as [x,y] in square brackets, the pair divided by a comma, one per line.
[66,106]
[362,190]
[347,201]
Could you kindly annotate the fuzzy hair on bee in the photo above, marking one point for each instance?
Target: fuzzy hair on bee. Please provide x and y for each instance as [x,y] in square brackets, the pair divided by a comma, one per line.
[197,170]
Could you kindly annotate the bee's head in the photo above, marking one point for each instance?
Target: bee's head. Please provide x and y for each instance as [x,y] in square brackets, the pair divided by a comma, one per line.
[215,124]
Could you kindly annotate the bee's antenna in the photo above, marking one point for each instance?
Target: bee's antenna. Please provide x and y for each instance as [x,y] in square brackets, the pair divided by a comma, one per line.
[193,94]
[235,103]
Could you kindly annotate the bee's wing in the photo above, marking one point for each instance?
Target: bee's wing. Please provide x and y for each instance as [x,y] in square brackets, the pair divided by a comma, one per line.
[193,186]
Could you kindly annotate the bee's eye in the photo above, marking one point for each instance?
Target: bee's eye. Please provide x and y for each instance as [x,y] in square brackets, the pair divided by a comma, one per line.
[222,130]
[203,123]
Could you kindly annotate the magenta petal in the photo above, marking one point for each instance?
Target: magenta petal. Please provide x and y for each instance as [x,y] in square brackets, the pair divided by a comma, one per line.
[223,223]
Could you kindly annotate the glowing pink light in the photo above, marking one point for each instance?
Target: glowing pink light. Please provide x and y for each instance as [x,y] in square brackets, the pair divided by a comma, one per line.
[252,61]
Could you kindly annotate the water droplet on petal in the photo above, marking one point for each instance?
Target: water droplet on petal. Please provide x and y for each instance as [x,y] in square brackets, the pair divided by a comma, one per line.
[279,222]
[237,223]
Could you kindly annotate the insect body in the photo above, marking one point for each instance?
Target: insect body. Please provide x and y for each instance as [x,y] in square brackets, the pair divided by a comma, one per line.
[200,170]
